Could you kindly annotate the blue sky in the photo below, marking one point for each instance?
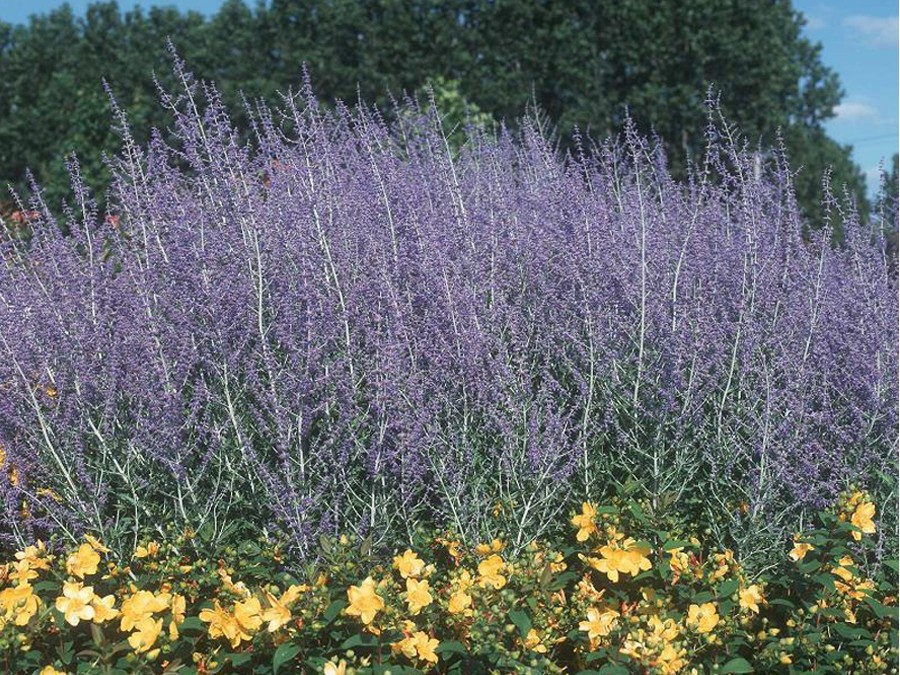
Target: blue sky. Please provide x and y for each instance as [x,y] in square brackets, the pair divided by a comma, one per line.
[859,42]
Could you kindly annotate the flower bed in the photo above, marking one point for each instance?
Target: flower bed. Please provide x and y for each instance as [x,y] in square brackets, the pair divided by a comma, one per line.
[619,596]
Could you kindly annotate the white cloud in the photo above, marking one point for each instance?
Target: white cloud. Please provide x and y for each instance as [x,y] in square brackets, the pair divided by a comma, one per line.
[856,111]
[815,22]
[875,31]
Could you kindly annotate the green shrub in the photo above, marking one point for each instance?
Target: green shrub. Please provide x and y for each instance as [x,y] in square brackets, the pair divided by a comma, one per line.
[621,596]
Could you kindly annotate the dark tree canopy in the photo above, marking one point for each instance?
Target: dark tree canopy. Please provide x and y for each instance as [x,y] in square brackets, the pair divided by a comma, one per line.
[584,64]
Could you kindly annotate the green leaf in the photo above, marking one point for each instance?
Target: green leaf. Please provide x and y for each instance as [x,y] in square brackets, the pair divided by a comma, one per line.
[359,640]
[333,610]
[285,652]
[45,586]
[207,532]
[521,620]
[850,632]
[676,543]
[612,669]
[737,665]
[600,655]
[96,635]
[238,658]
[66,651]
[701,598]
[451,647]
[562,580]
[728,587]
[191,624]
[546,576]
[879,609]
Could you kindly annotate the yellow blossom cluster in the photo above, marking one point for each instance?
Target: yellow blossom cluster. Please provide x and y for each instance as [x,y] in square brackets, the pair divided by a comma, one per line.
[661,607]
[240,622]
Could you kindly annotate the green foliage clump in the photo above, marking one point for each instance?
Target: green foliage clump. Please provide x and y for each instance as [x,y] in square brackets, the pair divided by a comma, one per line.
[617,595]
[585,64]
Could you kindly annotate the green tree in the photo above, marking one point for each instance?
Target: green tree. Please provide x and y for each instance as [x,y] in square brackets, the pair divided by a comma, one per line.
[582,63]
[52,102]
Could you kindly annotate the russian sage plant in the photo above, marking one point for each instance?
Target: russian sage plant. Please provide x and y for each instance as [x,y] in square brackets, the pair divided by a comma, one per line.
[336,322]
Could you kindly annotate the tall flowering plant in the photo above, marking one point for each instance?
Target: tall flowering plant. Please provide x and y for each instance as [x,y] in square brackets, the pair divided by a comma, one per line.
[344,324]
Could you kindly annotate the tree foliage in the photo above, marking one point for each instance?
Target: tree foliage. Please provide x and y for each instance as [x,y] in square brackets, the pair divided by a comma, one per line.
[584,64]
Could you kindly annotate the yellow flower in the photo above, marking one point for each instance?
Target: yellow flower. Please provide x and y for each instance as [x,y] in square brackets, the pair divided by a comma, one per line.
[75,602]
[293,592]
[490,571]
[585,588]
[679,561]
[459,602]
[452,548]
[417,595]
[50,670]
[841,571]
[221,623]
[406,646]
[145,634]
[671,660]
[277,614]
[533,642]
[95,543]
[148,551]
[23,572]
[364,601]
[465,580]
[36,557]
[103,608]
[486,549]
[599,623]
[800,550]
[558,564]
[18,603]
[178,608]
[854,587]
[248,613]
[339,668]
[409,564]
[585,521]
[233,627]
[49,492]
[862,520]
[750,598]
[704,617]
[662,631]
[83,562]
[424,647]
[626,557]
[723,562]
[141,605]
[238,588]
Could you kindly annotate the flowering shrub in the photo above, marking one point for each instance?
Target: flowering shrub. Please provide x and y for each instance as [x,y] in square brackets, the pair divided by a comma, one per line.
[346,325]
[626,598]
